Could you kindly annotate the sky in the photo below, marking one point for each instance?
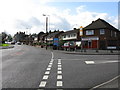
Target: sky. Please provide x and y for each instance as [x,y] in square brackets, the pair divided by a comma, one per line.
[27,15]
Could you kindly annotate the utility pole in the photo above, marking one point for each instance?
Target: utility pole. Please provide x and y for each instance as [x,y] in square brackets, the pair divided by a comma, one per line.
[46,28]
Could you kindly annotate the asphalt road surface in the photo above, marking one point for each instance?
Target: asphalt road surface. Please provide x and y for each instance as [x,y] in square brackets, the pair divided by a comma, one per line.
[33,67]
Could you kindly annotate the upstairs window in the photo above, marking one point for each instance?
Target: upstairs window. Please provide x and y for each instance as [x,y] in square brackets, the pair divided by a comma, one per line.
[115,34]
[90,32]
[102,31]
[64,36]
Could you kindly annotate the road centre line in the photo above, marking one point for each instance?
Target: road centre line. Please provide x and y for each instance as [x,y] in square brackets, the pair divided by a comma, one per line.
[59,66]
[45,77]
[59,83]
[49,66]
[47,72]
[59,76]
[50,63]
[59,72]
[48,69]
[59,62]
[42,84]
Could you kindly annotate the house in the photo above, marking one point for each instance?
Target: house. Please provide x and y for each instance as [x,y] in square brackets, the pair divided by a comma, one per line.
[53,38]
[100,35]
[69,38]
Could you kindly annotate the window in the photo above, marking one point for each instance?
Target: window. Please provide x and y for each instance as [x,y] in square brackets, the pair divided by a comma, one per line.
[90,32]
[64,36]
[68,36]
[74,35]
[115,34]
[102,31]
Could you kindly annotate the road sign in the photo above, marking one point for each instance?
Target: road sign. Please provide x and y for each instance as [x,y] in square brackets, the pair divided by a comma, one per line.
[56,41]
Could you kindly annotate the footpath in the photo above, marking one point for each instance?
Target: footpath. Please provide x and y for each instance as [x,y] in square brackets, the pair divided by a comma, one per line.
[94,52]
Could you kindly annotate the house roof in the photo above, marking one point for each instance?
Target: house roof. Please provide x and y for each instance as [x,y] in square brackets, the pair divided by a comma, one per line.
[53,34]
[71,31]
[99,24]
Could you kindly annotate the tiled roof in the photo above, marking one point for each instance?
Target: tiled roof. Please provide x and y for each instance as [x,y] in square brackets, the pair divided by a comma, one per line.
[71,31]
[54,33]
[99,24]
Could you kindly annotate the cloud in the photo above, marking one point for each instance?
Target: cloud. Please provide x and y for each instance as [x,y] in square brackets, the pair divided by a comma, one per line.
[17,15]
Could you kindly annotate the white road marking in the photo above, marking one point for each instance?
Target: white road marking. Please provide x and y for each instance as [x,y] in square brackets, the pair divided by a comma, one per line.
[59,60]
[59,83]
[50,66]
[45,77]
[89,62]
[100,62]
[59,63]
[59,72]
[48,69]
[42,84]
[52,55]
[105,82]
[47,72]
[107,61]
[59,76]
[50,63]
[59,68]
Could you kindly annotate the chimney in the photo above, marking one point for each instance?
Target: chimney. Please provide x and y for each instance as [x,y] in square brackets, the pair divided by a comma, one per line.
[74,28]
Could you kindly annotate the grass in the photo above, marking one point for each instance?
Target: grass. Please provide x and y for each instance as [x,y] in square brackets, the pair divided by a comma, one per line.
[4,45]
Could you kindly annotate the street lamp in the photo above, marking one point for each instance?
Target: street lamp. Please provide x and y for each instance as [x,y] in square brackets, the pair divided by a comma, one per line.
[46,27]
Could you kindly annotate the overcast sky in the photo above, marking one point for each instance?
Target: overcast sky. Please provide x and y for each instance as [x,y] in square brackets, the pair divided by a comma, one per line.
[27,15]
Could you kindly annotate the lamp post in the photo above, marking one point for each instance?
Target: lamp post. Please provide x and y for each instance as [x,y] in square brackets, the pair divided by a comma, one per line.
[46,27]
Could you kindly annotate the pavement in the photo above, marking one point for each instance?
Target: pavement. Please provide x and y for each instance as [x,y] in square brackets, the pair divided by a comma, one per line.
[95,52]
[27,67]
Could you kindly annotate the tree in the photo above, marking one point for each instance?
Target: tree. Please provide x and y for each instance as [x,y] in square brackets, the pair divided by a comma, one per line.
[4,36]
[9,38]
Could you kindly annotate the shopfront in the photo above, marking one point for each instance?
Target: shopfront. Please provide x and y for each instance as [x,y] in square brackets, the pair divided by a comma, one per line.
[90,42]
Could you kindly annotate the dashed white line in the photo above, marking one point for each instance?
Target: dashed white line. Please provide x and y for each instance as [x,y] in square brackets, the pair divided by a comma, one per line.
[47,72]
[48,69]
[59,83]
[50,63]
[59,65]
[59,72]
[49,66]
[59,76]
[45,77]
[59,68]
[42,84]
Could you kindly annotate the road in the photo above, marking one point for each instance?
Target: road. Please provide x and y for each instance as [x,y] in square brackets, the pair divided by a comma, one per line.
[33,67]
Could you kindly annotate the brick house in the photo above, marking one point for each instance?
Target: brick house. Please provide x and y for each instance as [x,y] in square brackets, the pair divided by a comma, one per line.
[100,35]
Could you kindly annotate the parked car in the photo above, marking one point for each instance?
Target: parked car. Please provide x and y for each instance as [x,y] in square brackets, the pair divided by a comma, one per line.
[13,42]
[69,46]
[18,43]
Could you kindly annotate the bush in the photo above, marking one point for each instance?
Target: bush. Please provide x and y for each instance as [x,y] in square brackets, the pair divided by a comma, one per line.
[4,44]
